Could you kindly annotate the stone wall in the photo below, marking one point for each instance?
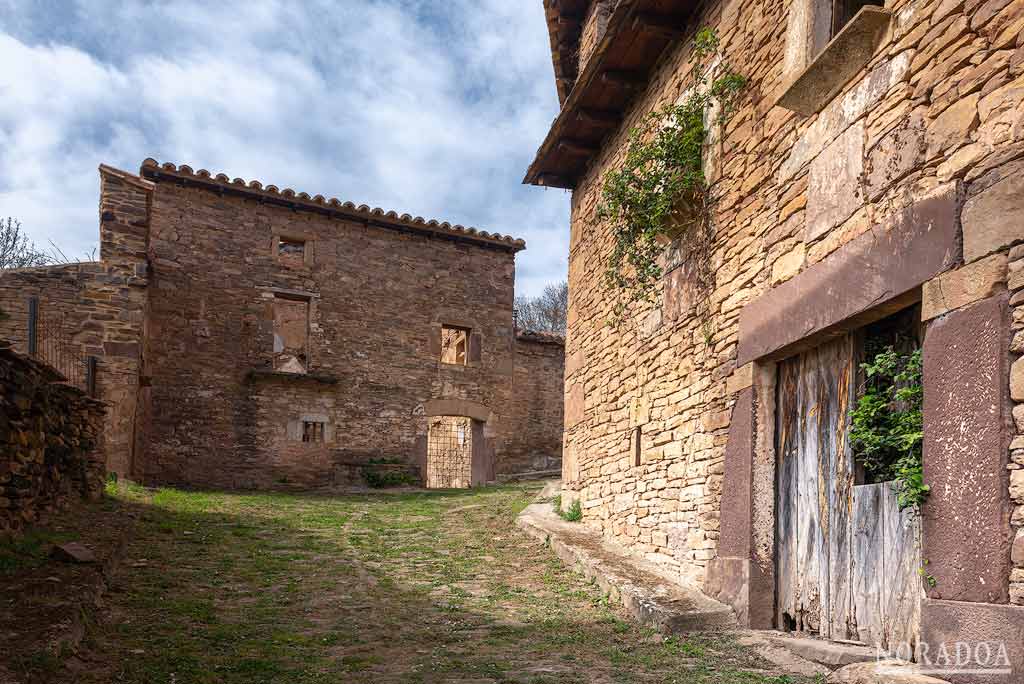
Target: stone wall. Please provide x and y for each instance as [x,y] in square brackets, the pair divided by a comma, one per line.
[216,412]
[101,304]
[932,122]
[535,435]
[1016,465]
[50,435]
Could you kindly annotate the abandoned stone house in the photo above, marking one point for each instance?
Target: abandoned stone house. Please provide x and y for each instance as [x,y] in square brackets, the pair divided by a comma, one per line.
[251,337]
[868,183]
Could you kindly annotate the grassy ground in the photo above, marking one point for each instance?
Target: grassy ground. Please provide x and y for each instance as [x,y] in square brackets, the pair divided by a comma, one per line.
[404,587]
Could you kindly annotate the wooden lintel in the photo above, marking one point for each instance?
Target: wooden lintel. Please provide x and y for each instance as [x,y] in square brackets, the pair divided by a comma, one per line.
[598,117]
[667,27]
[622,79]
[577,148]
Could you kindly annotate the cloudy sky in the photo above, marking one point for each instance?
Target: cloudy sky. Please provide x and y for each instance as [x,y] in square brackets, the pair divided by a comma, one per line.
[422,106]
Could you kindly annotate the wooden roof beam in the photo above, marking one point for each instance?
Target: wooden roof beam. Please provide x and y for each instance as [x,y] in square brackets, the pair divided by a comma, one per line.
[661,26]
[598,117]
[622,79]
[577,148]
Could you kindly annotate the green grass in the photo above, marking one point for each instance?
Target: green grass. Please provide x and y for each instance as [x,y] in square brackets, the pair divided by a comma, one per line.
[386,587]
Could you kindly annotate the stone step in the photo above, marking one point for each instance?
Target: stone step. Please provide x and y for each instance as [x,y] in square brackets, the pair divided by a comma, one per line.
[654,599]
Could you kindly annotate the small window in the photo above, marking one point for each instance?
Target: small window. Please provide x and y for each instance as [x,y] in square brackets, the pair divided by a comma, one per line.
[291,252]
[843,11]
[454,345]
[313,431]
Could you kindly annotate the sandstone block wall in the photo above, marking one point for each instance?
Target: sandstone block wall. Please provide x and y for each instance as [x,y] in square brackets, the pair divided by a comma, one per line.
[101,304]
[1016,465]
[50,438]
[935,116]
[535,432]
[377,298]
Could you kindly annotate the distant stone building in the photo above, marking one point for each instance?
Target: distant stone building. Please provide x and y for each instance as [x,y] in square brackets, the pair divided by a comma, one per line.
[869,184]
[253,337]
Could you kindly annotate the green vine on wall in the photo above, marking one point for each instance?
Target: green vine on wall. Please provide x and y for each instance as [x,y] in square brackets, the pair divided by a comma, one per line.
[887,425]
[660,192]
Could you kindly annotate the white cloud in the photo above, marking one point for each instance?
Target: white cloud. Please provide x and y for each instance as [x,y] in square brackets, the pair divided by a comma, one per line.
[429,108]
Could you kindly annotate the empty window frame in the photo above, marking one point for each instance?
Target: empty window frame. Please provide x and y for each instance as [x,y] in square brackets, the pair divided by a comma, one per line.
[454,345]
[314,431]
[291,334]
[843,11]
[291,251]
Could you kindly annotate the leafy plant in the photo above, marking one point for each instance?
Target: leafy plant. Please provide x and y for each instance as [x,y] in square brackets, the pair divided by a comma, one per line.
[660,191]
[573,514]
[887,426]
[380,478]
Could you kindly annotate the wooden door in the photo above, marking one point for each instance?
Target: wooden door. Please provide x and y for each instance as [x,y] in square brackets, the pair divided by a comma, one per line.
[846,557]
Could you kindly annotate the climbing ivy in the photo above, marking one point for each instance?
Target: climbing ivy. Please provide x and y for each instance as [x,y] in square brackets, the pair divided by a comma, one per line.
[660,190]
[887,425]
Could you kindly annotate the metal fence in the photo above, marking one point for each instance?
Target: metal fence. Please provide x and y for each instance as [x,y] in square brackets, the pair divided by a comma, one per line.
[49,341]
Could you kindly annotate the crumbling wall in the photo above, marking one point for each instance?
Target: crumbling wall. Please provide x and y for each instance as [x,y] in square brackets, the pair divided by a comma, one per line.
[101,304]
[50,438]
[535,436]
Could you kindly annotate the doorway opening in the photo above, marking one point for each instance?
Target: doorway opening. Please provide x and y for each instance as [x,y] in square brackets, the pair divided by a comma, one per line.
[847,547]
[449,452]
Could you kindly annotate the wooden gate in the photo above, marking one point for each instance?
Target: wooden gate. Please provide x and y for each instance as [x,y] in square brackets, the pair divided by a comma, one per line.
[847,557]
[449,452]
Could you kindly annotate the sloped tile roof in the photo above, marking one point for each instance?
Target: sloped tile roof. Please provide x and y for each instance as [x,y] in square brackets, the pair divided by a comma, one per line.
[154,170]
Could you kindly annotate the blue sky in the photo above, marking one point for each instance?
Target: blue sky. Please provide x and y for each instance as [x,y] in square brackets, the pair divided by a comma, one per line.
[421,106]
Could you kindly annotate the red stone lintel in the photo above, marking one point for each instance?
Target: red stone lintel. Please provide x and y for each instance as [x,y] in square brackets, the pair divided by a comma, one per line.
[869,278]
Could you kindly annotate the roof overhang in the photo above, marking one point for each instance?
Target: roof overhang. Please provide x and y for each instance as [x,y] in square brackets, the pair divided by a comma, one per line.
[638,33]
[565,25]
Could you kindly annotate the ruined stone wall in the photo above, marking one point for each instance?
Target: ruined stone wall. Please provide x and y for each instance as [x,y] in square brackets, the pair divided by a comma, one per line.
[218,415]
[535,441]
[935,114]
[100,307]
[50,434]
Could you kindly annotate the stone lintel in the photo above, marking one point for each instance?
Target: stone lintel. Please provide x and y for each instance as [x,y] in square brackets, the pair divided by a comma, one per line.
[870,277]
[457,407]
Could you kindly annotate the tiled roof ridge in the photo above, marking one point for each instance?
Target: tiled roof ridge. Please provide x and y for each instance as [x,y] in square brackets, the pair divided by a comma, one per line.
[255,188]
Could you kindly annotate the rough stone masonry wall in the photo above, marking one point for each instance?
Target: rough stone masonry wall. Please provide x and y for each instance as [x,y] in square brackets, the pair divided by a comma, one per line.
[535,435]
[50,435]
[102,305]
[377,300]
[1016,283]
[936,113]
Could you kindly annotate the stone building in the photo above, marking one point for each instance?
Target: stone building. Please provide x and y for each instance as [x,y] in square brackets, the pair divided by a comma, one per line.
[870,177]
[254,337]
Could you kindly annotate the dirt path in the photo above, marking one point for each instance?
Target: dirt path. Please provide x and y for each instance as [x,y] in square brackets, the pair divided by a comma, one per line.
[420,587]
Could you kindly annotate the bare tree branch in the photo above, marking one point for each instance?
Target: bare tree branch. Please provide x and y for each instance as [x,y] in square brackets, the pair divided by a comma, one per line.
[16,250]
[546,313]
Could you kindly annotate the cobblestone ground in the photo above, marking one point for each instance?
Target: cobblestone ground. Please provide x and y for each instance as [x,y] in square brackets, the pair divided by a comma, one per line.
[395,587]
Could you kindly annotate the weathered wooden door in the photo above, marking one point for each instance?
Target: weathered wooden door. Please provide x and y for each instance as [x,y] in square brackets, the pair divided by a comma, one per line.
[847,558]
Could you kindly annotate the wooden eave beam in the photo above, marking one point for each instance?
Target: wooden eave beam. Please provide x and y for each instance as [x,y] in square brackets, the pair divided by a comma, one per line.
[658,25]
[651,20]
[598,117]
[577,148]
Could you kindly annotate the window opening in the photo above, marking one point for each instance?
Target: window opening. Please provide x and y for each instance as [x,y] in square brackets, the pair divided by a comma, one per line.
[637,448]
[291,335]
[291,252]
[314,431]
[454,345]
[843,12]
